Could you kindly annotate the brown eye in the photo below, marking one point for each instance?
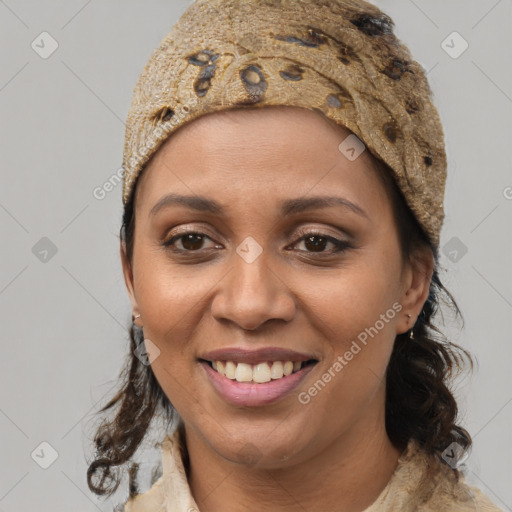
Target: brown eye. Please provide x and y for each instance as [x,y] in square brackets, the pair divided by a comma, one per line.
[316,242]
[190,241]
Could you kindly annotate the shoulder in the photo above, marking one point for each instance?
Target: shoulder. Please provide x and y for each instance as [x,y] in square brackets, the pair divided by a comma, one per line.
[423,484]
[151,501]
[448,495]
[171,492]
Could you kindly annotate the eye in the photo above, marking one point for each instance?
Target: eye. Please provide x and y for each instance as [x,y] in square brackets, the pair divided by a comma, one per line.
[191,241]
[315,242]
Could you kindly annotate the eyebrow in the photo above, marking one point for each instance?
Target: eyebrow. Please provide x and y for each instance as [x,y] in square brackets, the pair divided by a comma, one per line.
[288,207]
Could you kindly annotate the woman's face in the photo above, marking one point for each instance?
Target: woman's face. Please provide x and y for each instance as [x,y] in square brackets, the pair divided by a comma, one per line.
[266,273]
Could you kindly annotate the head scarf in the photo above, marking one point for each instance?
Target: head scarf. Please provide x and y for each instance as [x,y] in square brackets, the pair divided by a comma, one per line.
[339,57]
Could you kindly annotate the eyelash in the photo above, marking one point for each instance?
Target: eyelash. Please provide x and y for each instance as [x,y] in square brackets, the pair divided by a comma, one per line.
[340,245]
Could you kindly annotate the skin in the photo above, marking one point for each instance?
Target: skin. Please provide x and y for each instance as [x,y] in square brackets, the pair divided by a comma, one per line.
[333,453]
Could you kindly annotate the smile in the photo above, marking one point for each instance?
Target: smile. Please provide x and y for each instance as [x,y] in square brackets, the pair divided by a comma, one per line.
[258,373]
[258,384]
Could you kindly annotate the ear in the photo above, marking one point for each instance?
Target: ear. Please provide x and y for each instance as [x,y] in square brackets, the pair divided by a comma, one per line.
[416,280]
[128,280]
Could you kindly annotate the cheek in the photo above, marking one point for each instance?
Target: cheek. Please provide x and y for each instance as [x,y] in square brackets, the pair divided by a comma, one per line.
[357,298]
[356,312]
[357,320]
[171,296]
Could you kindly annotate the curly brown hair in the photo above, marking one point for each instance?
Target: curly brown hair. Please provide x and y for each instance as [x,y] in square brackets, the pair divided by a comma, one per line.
[419,402]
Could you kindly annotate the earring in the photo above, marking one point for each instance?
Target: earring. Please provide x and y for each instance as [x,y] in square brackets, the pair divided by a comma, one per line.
[135,318]
[411,334]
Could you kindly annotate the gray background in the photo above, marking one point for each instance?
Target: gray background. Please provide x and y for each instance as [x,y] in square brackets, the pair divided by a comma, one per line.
[64,315]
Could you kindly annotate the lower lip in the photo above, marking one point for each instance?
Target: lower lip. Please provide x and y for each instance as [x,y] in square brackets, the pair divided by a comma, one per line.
[252,394]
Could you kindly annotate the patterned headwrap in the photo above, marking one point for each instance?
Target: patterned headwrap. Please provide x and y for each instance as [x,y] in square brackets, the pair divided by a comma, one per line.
[339,57]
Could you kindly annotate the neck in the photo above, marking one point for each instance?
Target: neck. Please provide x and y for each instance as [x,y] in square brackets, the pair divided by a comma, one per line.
[348,475]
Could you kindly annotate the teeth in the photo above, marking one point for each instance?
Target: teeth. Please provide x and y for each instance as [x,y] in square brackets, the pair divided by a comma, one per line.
[230,370]
[276,372]
[243,372]
[259,373]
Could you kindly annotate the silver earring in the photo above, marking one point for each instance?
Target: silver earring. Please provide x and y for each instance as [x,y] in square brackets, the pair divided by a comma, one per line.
[135,318]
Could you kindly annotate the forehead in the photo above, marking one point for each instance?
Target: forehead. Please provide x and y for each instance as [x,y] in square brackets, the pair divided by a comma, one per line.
[292,148]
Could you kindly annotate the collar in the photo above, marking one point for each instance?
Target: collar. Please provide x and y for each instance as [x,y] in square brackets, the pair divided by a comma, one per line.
[171,492]
[408,490]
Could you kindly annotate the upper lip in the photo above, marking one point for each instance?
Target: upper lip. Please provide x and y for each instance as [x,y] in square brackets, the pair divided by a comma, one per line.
[241,355]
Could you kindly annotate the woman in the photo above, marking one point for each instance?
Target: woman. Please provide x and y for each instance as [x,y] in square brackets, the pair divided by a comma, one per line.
[280,251]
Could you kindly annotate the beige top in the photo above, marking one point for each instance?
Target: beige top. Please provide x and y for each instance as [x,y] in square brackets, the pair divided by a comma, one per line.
[171,492]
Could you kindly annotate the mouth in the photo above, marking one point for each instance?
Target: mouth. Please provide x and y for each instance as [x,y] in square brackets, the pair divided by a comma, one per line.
[259,373]
[255,384]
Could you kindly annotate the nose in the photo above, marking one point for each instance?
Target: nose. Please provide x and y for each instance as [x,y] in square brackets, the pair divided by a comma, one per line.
[252,294]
